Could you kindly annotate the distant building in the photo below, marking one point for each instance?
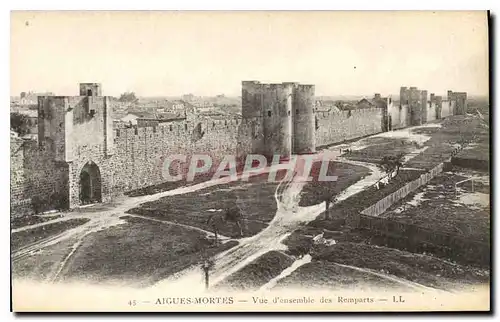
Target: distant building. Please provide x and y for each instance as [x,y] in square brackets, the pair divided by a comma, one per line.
[188,97]
[132,117]
[31,98]
[174,106]
[364,103]
[204,109]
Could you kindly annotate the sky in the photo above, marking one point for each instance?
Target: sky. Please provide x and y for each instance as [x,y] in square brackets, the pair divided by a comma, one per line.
[210,53]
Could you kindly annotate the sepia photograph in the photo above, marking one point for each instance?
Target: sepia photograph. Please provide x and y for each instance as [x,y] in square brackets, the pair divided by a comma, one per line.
[250,161]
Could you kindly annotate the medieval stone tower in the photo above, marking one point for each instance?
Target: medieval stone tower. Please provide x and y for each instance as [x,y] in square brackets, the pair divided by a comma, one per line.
[287,117]
[415,103]
[459,102]
[77,131]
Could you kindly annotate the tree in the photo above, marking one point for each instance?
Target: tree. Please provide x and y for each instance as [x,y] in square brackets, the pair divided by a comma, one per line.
[218,221]
[20,123]
[128,97]
[392,164]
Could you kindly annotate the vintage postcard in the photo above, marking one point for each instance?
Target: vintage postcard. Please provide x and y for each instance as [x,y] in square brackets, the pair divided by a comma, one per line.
[250,161]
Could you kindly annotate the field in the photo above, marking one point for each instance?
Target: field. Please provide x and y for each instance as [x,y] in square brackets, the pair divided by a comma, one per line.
[18,222]
[137,253]
[323,275]
[362,200]
[437,207]
[314,191]
[257,273]
[26,237]
[169,234]
[324,270]
[195,208]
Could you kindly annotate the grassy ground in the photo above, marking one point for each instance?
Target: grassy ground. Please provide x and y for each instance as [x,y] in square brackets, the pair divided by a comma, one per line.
[195,208]
[443,140]
[254,198]
[18,222]
[380,147]
[422,269]
[439,209]
[438,147]
[258,272]
[43,264]
[321,275]
[165,186]
[299,241]
[27,237]
[362,200]
[351,248]
[139,253]
[142,252]
[418,268]
[347,174]
[474,156]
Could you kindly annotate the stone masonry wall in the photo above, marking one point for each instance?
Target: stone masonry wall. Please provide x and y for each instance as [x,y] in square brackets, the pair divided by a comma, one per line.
[130,158]
[34,173]
[336,127]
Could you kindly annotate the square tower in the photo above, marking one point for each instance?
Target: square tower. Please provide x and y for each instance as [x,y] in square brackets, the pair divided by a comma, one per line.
[69,124]
[90,89]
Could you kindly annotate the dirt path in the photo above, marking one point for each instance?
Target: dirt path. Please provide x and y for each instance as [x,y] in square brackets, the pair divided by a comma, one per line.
[289,216]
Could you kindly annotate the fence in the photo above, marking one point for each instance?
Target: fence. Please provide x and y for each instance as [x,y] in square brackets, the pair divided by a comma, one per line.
[382,205]
[417,238]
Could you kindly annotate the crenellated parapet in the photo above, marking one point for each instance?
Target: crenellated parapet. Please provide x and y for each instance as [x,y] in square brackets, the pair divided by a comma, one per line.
[83,156]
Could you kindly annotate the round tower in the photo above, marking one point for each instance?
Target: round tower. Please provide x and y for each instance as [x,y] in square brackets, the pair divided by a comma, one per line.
[277,108]
[304,122]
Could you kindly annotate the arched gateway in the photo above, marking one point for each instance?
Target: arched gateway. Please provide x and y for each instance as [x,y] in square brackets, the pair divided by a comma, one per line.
[90,184]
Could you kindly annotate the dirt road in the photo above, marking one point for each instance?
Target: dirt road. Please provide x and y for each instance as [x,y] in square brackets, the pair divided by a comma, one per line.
[289,217]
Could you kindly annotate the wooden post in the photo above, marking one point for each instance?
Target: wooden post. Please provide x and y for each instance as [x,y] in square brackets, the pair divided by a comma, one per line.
[206,268]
